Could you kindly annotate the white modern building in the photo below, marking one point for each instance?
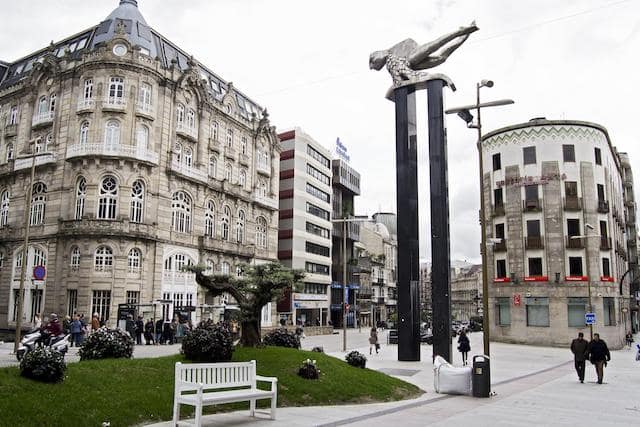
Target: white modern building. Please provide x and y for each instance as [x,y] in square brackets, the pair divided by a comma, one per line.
[304,235]
[554,199]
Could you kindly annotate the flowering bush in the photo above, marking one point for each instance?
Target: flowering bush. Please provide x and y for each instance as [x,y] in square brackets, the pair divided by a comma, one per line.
[209,342]
[282,338]
[107,343]
[309,370]
[43,364]
[318,349]
[357,359]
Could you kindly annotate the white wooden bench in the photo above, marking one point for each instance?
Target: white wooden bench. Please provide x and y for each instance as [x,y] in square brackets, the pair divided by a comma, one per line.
[210,384]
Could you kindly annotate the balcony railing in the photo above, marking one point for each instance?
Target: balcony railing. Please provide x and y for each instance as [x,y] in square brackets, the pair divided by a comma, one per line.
[95,149]
[500,246]
[263,168]
[244,159]
[497,210]
[189,171]
[266,201]
[603,206]
[11,129]
[229,152]
[85,104]
[178,278]
[605,243]
[145,109]
[240,249]
[534,242]
[575,243]
[117,103]
[42,118]
[378,282]
[41,159]
[188,132]
[531,205]
[572,203]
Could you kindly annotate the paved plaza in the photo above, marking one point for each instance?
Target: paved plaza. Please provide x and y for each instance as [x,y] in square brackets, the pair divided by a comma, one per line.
[532,385]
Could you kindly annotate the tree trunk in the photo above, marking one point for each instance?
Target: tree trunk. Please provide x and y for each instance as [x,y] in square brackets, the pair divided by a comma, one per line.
[250,333]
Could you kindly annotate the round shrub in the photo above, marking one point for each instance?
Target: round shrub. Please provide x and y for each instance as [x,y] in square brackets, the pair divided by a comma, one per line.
[209,342]
[43,364]
[282,338]
[309,370]
[318,349]
[107,343]
[357,359]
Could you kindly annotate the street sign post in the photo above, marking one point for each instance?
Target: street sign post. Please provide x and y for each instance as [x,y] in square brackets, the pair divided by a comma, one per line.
[39,272]
[590,318]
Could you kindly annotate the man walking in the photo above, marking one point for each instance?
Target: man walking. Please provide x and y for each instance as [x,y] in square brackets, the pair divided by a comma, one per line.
[599,355]
[579,350]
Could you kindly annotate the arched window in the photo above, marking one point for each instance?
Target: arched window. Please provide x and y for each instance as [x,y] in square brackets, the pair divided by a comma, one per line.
[81,194]
[9,152]
[75,258]
[112,134]
[137,201]
[209,219]
[261,232]
[84,133]
[229,137]
[225,268]
[242,178]
[38,146]
[116,90]
[191,119]
[4,208]
[42,106]
[224,222]
[48,140]
[262,159]
[181,212]
[52,103]
[188,157]
[243,144]
[213,166]
[38,203]
[103,259]
[88,89]
[177,150]
[210,267]
[144,98]
[180,114]
[228,172]
[108,198]
[134,260]
[240,227]
[214,131]
[142,137]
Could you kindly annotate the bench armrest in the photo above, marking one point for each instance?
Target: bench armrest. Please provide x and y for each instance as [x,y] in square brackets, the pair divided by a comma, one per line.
[266,379]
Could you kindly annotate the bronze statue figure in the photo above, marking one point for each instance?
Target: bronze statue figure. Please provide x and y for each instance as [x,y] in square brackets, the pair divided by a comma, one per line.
[404,59]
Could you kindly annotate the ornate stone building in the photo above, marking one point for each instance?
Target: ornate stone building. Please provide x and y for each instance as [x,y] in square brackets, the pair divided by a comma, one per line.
[146,161]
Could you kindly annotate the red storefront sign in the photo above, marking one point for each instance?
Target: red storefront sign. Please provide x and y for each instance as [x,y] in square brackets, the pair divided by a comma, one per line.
[576,278]
[501,280]
[606,279]
[536,279]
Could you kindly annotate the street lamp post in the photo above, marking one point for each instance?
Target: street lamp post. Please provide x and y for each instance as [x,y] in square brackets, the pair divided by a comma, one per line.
[344,221]
[463,112]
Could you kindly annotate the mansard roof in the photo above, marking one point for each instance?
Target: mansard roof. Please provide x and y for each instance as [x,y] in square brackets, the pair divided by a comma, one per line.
[126,20]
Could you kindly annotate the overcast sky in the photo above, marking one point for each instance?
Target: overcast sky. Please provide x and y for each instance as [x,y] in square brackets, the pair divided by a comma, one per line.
[307,62]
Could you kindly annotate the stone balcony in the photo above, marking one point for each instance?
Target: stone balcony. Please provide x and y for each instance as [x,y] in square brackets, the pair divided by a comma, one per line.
[93,227]
[42,119]
[178,278]
[100,149]
[263,168]
[114,103]
[189,171]
[191,133]
[11,130]
[145,110]
[266,201]
[41,159]
[217,244]
[85,105]
[244,159]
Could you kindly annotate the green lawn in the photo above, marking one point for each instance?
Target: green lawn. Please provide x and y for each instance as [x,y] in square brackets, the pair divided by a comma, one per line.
[128,392]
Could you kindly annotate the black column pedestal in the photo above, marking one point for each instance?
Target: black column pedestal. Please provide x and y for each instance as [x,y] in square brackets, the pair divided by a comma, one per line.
[440,245]
[407,209]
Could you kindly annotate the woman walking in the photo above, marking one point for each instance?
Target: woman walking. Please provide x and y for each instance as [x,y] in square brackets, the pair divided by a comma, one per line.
[373,340]
[463,346]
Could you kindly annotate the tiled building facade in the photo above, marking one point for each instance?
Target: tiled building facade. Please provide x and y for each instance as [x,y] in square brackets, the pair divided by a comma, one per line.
[146,161]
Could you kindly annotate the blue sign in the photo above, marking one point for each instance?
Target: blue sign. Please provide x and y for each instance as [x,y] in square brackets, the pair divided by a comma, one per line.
[39,272]
[341,150]
[590,318]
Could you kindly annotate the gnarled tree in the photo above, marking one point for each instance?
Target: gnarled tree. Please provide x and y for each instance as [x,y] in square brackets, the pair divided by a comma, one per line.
[258,286]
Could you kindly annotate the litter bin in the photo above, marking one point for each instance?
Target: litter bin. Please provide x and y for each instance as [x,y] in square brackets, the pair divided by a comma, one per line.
[481,376]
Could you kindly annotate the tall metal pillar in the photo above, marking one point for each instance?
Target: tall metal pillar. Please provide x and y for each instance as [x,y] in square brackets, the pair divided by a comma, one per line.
[440,259]
[407,209]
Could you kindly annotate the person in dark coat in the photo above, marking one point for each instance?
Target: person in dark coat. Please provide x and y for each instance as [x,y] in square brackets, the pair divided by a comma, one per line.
[148,332]
[139,329]
[166,333]
[599,355]
[159,324]
[579,348]
[463,346]
[130,326]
